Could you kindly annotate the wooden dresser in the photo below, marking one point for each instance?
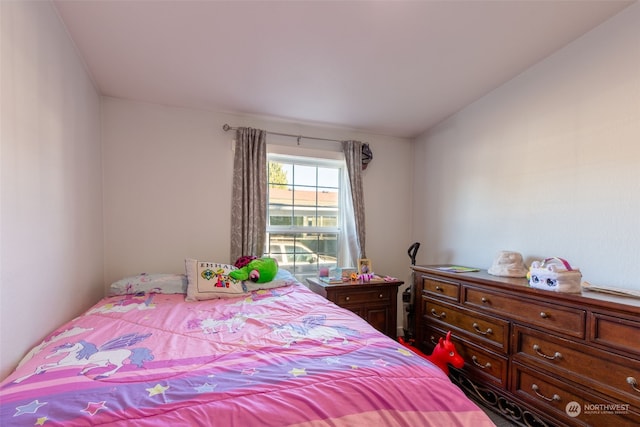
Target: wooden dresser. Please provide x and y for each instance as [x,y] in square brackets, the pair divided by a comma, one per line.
[540,358]
[375,302]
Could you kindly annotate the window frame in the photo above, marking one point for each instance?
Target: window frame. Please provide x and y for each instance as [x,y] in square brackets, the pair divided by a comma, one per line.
[294,230]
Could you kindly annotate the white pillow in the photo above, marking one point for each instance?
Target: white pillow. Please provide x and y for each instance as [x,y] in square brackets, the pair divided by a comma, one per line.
[283,278]
[159,283]
[209,280]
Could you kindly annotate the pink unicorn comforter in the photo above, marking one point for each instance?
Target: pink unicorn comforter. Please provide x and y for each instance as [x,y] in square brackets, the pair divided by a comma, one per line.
[278,357]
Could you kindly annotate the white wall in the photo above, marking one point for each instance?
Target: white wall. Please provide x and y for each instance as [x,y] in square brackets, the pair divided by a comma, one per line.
[167,187]
[547,165]
[51,264]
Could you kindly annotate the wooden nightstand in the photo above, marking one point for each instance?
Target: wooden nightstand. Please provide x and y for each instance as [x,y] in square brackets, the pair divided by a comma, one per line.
[375,302]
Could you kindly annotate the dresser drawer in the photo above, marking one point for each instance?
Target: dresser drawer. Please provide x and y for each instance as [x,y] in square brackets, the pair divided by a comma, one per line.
[623,334]
[346,297]
[442,288]
[596,369]
[480,363]
[548,316]
[556,396]
[486,329]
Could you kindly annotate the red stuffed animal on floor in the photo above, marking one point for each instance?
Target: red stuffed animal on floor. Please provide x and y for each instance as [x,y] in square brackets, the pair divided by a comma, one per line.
[444,353]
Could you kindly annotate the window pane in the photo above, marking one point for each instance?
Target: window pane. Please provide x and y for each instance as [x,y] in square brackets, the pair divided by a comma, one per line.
[303,252]
[304,196]
[327,218]
[279,203]
[303,200]
[280,220]
[328,197]
[305,216]
[280,195]
[280,175]
[304,175]
[329,177]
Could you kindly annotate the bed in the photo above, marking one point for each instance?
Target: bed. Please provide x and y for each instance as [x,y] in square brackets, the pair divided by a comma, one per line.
[274,355]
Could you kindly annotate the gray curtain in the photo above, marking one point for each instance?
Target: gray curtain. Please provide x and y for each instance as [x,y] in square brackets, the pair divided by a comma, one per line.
[353,156]
[249,197]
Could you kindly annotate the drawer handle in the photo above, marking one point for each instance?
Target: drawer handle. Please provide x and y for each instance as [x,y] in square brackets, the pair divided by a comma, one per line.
[555,397]
[433,340]
[436,315]
[634,384]
[347,298]
[381,296]
[544,315]
[439,289]
[557,355]
[489,331]
[484,300]
[475,362]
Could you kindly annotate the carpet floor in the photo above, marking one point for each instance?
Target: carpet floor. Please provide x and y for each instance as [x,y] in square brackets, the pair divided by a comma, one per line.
[498,419]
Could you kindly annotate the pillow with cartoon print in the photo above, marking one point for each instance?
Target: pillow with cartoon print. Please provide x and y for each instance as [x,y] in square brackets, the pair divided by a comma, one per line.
[210,280]
[158,283]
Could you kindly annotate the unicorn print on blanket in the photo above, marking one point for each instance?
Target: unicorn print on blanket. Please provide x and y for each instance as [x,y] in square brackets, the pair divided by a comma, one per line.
[89,356]
[76,330]
[313,328]
[262,297]
[126,304]
[232,323]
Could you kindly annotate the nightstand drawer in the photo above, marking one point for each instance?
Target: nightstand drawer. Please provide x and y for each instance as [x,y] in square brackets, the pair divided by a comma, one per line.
[442,289]
[548,316]
[556,396]
[599,370]
[375,301]
[481,327]
[347,297]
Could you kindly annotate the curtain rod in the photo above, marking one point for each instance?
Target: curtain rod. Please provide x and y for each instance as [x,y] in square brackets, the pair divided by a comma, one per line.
[227,128]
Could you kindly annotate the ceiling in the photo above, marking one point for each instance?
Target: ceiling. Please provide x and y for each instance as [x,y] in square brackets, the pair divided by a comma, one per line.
[383,67]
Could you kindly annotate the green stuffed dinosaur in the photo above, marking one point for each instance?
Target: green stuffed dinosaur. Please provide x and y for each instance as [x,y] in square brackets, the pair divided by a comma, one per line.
[259,270]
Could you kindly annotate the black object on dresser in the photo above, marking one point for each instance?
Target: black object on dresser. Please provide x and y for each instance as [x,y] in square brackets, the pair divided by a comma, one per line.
[540,358]
[374,301]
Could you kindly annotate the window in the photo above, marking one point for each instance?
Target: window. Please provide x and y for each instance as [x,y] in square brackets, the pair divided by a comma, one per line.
[304,225]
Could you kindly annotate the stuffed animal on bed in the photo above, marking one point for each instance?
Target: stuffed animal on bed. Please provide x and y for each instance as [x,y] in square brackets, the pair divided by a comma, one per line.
[244,260]
[259,270]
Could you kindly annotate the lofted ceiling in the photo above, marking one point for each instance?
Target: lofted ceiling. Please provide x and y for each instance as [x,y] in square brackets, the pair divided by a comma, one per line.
[384,67]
